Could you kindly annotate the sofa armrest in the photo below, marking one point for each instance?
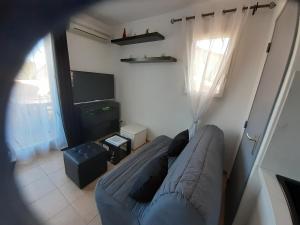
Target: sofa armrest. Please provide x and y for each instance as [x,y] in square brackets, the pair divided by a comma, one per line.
[172,209]
[113,212]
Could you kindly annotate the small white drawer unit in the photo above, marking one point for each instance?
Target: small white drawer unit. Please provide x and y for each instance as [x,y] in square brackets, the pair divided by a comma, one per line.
[137,134]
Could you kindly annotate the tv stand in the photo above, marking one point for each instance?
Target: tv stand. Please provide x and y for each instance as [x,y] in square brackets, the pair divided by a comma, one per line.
[98,119]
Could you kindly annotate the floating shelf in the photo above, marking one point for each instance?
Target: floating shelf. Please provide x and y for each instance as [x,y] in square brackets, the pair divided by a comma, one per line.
[162,59]
[150,37]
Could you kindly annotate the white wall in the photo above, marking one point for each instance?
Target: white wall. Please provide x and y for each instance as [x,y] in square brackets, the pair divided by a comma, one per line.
[283,154]
[87,54]
[231,111]
[262,212]
[153,94]
[254,183]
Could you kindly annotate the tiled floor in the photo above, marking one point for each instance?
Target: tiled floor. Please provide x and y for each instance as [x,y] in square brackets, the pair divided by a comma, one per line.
[52,195]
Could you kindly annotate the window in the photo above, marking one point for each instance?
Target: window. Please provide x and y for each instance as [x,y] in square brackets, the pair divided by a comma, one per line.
[33,78]
[34,121]
[209,55]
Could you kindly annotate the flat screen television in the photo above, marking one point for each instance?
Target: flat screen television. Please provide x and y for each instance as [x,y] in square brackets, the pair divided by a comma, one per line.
[89,87]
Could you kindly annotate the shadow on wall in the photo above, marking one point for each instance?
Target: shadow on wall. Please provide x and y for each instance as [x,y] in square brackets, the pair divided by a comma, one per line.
[231,126]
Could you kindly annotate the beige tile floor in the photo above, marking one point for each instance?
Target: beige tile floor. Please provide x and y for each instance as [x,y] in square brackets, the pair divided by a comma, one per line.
[52,196]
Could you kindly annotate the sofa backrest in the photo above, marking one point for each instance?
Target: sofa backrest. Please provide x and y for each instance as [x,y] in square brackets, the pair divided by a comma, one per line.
[195,178]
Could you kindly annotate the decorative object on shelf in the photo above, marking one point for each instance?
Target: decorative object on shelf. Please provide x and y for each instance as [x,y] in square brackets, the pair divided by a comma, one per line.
[150,37]
[124,33]
[147,31]
[162,59]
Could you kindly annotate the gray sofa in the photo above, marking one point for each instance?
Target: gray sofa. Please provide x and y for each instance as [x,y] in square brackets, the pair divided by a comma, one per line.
[190,194]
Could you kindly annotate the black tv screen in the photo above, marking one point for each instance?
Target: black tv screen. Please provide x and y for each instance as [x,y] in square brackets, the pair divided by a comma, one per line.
[89,87]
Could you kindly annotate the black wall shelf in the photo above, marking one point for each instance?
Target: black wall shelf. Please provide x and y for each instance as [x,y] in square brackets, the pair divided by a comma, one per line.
[162,59]
[150,37]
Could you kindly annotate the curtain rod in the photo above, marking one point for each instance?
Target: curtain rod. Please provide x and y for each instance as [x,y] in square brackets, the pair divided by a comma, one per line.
[271,5]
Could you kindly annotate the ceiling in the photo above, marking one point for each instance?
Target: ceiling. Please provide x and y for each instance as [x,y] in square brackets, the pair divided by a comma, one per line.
[113,12]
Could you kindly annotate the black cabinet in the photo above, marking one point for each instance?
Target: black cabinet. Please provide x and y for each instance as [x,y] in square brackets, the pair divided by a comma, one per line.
[98,119]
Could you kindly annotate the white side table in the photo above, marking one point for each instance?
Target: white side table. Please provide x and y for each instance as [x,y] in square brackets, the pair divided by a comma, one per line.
[137,134]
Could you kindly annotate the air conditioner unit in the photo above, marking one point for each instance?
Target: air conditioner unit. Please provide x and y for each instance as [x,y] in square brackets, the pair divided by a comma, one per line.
[89,32]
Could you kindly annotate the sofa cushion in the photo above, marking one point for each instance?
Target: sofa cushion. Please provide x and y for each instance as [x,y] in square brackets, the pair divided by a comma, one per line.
[171,161]
[178,144]
[190,193]
[112,191]
[197,173]
[150,179]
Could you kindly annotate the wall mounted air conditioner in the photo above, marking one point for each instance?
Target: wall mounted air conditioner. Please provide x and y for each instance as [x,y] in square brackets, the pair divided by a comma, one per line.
[89,32]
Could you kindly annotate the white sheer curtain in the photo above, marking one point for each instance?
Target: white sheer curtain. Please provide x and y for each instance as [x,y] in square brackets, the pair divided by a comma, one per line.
[209,45]
[34,121]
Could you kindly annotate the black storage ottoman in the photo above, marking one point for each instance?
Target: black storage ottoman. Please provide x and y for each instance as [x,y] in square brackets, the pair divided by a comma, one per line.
[85,163]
